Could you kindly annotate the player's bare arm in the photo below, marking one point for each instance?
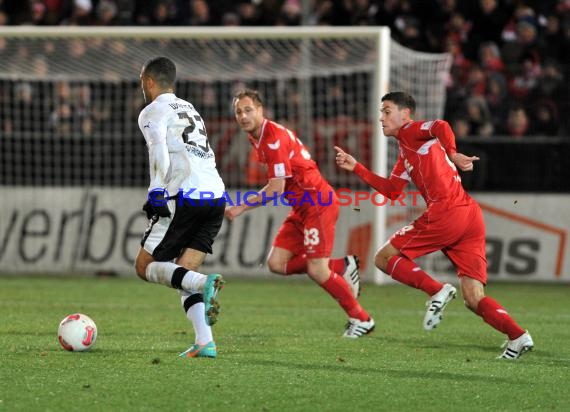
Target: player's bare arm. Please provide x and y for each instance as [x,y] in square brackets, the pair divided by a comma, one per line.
[274,187]
[463,162]
[344,160]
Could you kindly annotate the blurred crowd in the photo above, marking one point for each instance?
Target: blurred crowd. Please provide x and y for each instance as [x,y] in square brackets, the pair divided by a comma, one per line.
[510,67]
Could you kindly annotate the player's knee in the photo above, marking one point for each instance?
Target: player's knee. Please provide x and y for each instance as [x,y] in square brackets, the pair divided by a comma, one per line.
[276,266]
[473,291]
[470,304]
[383,256]
[471,300]
[381,260]
[140,269]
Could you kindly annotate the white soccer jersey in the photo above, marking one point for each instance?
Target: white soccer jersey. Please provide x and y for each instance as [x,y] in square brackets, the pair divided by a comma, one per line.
[180,156]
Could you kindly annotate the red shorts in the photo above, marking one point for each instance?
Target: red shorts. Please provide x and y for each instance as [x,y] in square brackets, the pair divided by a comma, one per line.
[309,230]
[459,232]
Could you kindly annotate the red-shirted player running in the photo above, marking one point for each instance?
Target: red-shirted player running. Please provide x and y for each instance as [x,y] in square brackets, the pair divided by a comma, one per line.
[452,223]
[305,240]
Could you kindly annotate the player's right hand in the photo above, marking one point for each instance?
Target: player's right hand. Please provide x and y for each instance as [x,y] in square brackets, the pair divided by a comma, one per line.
[157,204]
[148,209]
[344,160]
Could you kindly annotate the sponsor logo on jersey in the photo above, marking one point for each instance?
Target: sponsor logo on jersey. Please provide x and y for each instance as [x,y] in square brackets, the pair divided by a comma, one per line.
[199,152]
[279,169]
[176,106]
[274,146]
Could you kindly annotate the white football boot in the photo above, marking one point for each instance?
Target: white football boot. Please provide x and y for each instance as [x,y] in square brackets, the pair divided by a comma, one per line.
[357,328]
[515,348]
[436,304]
[351,275]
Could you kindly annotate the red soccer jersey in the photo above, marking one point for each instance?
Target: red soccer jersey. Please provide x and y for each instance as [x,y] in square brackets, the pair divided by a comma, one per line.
[286,157]
[422,158]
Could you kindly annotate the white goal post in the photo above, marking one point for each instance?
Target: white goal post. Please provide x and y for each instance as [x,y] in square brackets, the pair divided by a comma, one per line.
[73,162]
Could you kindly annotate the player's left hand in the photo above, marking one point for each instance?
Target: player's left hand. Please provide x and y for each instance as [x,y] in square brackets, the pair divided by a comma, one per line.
[231,212]
[463,162]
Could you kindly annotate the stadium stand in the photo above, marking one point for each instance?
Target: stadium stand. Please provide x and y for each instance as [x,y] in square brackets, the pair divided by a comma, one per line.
[508,82]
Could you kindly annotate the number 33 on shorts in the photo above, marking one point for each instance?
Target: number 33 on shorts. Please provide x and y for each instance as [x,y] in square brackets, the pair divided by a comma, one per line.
[312,237]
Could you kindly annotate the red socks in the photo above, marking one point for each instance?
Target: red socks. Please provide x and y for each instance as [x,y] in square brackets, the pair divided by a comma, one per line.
[337,287]
[496,316]
[337,265]
[298,265]
[407,272]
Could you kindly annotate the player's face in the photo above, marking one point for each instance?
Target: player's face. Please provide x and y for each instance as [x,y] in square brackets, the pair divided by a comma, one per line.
[248,115]
[392,118]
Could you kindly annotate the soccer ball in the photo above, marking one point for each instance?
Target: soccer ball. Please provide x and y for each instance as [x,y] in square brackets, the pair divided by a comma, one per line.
[77,332]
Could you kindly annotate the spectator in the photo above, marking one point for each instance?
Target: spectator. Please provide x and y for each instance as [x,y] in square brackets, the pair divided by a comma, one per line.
[490,57]
[551,39]
[58,10]
[458,29]
[545,121]
[248,13]
[496,95]
[460,64]
[476,179]
[199,13]
[26,110]
[106,13]
[489,18]
[462,128]
[163,14]
[492,42]
[231,19]
[524,41]
[80,14]
[387,13]
[550,83]
[321,14]
[40,66]
[17,11]
[478,116]
[290,14]
[39,13]
[409,32]
[518,124]
[476,81]
[526,76]
[61,121]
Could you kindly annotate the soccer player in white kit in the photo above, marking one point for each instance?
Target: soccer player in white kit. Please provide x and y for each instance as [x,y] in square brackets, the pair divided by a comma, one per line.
[185,204]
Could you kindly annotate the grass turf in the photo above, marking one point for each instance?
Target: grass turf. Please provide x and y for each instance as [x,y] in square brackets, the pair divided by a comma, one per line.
[279,349]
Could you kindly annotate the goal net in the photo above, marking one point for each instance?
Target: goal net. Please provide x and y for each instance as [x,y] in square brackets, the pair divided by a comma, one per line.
[74,167]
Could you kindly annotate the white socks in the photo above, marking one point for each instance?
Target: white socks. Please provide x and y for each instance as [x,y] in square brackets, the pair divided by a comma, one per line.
[194,281]
[163,273]
[195,315]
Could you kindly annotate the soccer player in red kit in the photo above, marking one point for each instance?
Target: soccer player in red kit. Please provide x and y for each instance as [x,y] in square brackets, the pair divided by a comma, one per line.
[452,223]
[304,242]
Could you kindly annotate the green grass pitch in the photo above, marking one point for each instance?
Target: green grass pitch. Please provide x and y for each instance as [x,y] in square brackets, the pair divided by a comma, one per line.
[279,349]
